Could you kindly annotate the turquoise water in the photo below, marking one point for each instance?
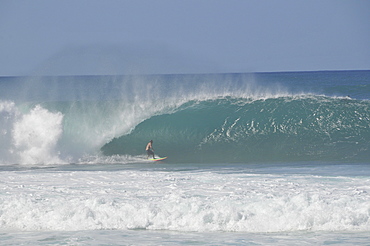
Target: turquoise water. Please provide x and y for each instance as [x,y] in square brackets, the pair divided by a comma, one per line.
[292,128]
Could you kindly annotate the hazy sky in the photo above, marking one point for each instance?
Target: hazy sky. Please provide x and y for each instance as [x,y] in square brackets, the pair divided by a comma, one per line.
[68,37]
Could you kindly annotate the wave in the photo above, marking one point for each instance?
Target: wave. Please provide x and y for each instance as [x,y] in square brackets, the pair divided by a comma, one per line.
[56,120]
[228,129]
[191,118]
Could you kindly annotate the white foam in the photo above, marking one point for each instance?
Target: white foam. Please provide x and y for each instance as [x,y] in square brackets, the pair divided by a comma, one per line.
[114,159]
[182,201]
[29,138]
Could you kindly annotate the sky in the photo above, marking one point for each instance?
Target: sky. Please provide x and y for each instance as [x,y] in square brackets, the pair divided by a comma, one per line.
[111,37]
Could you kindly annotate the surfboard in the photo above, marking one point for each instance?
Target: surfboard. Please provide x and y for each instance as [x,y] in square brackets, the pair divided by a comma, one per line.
[158,159]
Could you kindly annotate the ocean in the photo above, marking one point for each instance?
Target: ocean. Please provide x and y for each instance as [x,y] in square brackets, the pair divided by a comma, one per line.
[253,159]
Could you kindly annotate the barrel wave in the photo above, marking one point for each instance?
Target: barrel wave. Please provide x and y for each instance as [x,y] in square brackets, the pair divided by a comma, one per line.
[205,118]
[232,129]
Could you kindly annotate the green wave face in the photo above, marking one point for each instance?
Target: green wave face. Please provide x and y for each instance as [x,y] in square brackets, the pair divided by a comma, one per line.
[299,128]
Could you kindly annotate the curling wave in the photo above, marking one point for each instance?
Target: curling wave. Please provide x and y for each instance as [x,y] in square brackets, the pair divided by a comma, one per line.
[292,128]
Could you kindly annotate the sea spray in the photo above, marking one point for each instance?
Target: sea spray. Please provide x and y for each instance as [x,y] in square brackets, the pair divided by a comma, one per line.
[8,115]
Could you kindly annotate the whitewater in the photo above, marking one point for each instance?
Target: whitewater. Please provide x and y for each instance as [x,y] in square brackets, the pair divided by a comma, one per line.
[266,159]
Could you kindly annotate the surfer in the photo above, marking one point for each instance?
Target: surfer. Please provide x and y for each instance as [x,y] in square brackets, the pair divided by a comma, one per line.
[149,149]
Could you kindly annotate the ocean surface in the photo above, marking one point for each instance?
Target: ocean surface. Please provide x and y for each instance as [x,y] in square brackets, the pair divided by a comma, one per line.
[253,159]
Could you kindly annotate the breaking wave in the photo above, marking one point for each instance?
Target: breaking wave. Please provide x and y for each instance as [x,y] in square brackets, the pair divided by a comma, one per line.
[228,129]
